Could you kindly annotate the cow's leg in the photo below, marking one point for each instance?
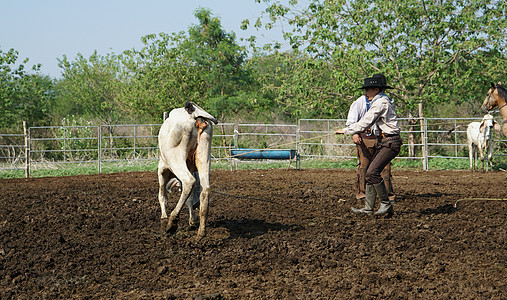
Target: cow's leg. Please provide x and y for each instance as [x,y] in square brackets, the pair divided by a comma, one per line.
[187,184]
[471,155]
[476,151]
[163,179]
[490,157]
[203,199]
[481,154]
[202,162]
[192,201]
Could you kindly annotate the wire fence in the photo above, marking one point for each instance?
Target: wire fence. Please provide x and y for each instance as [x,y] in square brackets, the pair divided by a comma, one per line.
[52,147]
[316,139]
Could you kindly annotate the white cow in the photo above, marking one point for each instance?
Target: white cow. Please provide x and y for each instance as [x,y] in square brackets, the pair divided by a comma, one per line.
[185,144]
[479,138]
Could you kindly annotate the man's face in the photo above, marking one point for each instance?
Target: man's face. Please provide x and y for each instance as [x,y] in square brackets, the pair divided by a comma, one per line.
[371,92]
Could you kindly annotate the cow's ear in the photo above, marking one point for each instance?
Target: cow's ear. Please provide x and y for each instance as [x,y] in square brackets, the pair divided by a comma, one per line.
[481,128]
[189,107]
[493,85]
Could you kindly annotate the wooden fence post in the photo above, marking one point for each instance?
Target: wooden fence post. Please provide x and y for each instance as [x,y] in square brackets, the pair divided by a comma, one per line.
[425,149]
[99,146]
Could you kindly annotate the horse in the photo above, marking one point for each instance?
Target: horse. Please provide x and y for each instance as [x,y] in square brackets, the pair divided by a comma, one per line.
[497,96]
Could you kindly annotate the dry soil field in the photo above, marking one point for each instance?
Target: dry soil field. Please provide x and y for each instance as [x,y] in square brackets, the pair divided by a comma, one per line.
[294,237]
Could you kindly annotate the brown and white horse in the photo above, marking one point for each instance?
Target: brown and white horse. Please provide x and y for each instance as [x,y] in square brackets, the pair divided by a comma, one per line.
[497,96]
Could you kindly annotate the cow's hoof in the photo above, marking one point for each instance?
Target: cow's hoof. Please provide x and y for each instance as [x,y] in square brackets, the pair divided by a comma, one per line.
[163,224]
[171,227]
[192,223]
[196,205]
[200,234]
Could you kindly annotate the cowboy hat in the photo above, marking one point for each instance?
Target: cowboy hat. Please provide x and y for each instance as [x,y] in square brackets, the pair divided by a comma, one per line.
[377,81]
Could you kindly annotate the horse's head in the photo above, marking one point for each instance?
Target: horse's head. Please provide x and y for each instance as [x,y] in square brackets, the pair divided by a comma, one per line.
[490,100]
[497,96]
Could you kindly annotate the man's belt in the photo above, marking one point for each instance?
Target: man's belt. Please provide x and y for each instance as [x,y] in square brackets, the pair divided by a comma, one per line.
[365,135]
[391,137]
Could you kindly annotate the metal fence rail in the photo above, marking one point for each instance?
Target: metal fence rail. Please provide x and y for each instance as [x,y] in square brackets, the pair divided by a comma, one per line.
[50,147]
[224,139]
[449,134]
[448,139]
[136,142]
[317,139]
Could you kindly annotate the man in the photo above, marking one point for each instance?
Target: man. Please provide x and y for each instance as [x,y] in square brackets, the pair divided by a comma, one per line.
[381,117]
[366,143]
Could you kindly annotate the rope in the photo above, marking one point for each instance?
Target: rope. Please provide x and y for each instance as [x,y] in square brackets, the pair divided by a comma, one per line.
[326,135]
[478,199]
[341,200]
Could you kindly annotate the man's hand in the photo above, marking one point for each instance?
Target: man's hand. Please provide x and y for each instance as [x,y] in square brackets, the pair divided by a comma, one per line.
[357,139]
[339,131]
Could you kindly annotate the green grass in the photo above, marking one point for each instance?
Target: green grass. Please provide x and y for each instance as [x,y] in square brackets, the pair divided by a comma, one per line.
[53,170]
[284,164]
[407,164]
[6,174]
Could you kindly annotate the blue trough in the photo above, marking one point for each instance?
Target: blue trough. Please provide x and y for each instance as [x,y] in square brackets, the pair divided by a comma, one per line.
[243,153]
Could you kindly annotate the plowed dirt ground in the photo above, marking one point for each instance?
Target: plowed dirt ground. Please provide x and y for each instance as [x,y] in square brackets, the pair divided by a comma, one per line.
[293,237]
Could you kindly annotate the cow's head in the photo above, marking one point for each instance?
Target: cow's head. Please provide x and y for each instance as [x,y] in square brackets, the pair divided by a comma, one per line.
[196,112]
[488,123]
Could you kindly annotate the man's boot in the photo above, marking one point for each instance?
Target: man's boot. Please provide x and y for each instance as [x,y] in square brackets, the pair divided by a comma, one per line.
[386,207]
[369,201]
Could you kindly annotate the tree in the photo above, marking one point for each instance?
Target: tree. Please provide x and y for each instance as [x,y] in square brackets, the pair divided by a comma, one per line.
[174,68]
[431,51]
[301,85]
[37,99]
[216,52]
[92,86]
[159,77]
[23,96]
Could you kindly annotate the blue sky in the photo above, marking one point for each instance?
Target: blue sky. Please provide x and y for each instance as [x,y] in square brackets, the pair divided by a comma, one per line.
[44,30]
